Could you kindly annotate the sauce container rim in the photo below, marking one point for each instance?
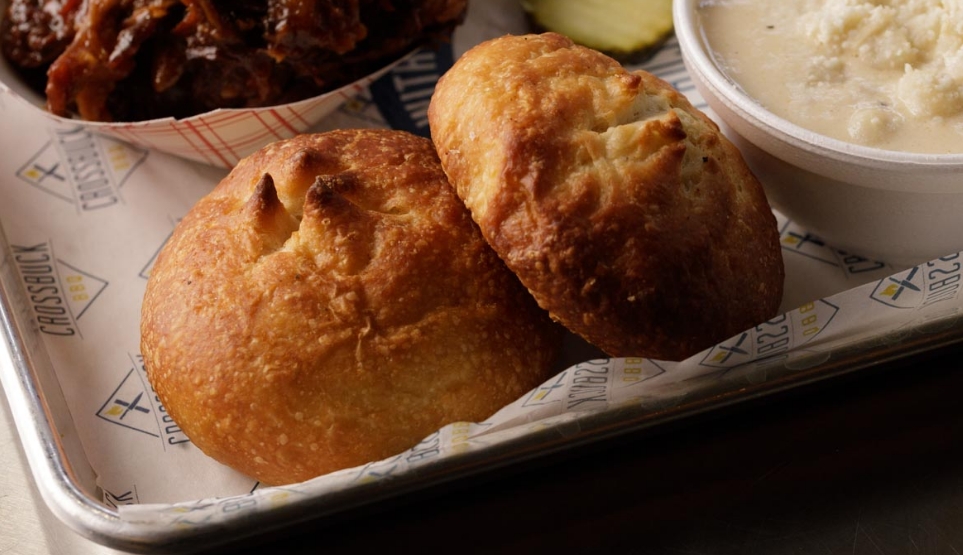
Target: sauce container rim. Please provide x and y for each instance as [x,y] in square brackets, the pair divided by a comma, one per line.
[695,49]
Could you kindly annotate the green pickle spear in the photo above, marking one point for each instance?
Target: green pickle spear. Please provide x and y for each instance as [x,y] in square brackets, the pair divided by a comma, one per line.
[628,30]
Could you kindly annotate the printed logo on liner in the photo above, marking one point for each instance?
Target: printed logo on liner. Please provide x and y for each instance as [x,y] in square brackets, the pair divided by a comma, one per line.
[581,386]
[135,406]
[427,449]
[402,95]
[58,293]
[380,470]
[903,290]
[81,168]
[460,438]
[588,382]
[732,352]
[795,239]
[773,339]
[548,392]
[589,385]
[115,500]
[921,286]
[856,264]
[639,370]
[202,513]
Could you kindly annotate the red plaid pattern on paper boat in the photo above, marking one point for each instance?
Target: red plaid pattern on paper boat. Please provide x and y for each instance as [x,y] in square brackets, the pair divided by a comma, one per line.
[222,137]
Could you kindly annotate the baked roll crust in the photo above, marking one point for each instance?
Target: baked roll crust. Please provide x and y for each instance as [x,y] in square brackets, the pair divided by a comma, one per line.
[331,303]
[621,207]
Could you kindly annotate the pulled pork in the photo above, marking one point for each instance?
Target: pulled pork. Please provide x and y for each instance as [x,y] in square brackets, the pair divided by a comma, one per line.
[131,60]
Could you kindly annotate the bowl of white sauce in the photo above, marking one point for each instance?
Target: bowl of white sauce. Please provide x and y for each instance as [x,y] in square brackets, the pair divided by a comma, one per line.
[850,112]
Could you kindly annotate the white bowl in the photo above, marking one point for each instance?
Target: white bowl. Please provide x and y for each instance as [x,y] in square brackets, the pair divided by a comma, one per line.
[899,207]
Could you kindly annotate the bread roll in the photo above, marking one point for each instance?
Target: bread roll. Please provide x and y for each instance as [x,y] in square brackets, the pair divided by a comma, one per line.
[332,303]
[620,206]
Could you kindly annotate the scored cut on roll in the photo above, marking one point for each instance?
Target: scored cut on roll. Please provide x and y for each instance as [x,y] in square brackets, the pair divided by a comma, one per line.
[331,303]
[620,206]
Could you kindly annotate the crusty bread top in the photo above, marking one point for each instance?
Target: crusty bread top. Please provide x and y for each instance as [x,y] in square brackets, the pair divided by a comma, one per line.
[332,303]
[621,207]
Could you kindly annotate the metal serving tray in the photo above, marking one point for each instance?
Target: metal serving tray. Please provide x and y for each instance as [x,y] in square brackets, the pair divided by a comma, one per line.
[66,480]
[867,330]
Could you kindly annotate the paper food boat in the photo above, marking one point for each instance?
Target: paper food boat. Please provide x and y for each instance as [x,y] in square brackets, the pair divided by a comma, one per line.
[218,138]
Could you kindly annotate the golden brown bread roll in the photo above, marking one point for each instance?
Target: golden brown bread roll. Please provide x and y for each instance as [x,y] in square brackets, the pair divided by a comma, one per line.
[331,303]
[621,207]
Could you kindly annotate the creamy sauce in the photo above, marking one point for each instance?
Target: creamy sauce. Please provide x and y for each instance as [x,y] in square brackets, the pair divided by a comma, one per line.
[880,73]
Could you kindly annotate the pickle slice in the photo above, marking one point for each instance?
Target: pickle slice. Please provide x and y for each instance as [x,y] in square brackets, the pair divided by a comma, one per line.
[628,30]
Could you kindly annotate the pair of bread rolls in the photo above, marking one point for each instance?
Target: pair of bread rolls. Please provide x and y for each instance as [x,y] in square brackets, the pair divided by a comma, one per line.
[333,302]
[623,209]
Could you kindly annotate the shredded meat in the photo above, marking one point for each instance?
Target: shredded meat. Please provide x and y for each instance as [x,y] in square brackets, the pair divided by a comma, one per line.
[34,32]
[130,60]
